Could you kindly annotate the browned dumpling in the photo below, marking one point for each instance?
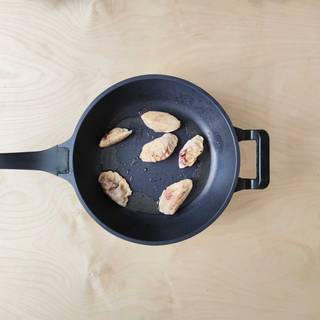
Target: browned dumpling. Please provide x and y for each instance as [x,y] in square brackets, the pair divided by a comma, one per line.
[174,195]
[114,136]
[160,121]
[190,152]
[159,149]
[115,186]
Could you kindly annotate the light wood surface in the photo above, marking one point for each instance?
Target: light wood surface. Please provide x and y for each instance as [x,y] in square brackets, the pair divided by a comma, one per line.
[261,259]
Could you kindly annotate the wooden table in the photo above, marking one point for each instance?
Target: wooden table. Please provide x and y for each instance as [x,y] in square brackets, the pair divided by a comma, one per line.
[261,259]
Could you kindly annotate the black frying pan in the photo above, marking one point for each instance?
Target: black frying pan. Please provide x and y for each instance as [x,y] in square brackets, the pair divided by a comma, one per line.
[215,175]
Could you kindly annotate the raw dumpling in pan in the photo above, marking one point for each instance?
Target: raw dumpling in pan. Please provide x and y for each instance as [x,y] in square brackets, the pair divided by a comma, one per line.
[160,121]
[159,149]
[174,195]
[115,186]
[114,136]
[190,152]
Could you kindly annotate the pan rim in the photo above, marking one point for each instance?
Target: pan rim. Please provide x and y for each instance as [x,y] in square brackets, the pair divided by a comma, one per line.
[226,118]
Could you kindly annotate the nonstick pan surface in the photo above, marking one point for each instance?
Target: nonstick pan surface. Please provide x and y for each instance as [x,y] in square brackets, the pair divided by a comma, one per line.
[214,175]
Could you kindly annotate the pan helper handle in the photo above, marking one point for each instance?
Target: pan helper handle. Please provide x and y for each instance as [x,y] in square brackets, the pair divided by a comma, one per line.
[263,159]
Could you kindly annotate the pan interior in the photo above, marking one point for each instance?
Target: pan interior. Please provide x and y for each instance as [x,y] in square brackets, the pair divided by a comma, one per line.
[148,180]
[212,175]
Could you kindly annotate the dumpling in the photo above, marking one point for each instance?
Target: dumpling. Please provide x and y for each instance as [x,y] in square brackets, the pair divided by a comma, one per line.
[159,149]
[190,152]
[160,121]
[114,136]
[174,195]
[115,186]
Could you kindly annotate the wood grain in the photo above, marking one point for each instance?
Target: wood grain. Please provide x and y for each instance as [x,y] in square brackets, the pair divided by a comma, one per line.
[261,259]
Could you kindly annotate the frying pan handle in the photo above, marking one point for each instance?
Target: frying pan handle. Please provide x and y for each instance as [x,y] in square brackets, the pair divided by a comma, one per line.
[54,160]
[263,159]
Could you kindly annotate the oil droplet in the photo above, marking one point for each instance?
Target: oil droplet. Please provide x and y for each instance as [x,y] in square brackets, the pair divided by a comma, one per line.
[145,169]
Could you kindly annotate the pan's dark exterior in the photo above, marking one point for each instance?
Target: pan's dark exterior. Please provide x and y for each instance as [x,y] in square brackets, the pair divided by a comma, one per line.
[215,176]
